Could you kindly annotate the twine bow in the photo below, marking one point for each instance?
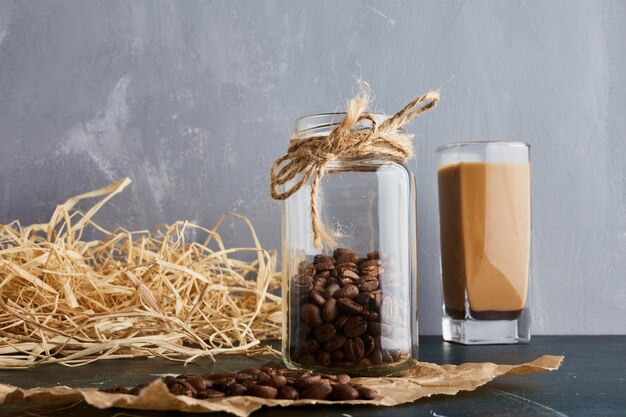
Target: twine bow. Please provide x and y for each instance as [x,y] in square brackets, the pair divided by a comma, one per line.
[308,157]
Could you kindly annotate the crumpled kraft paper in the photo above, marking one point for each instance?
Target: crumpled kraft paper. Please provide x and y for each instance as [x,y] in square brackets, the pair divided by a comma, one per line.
[424,380]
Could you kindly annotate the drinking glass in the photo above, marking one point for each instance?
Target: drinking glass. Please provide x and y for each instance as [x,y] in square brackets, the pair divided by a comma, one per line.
[485,229]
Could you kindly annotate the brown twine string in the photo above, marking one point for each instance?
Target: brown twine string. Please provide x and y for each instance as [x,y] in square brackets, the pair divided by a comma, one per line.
[308,157]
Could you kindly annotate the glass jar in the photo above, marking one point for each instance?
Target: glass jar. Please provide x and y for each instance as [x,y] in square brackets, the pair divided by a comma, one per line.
[352,307]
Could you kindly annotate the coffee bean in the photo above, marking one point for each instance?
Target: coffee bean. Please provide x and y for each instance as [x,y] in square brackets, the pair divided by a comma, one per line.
[365,393]
[311,315]
[373,255]
[367,283]
[303,298]
[277,381]
[302,284]
[322,275]
[330,281]
[294,373]
[346,281]
[363,298]
[346,267]
[396,354]
[199,383]
[263,378]
[288,393]
[323,259]
[343,378]
[330,310]
[117,389]
[137,390]
[303,331]
[316,298]
[377,329]
[307,380]
[355,326]
[317,392]
[354,349]
[247,383]
[376,357]
[350,257]
[370,262]
[344,364]
[331,290]
[322,267]
[343,392]
[181,387]
[210,393]
[338,355]
[307,360]
[340,251]
[350,274]
[340,321]
[368,343]
[376,300]
[364,363]
[373,271]
[319,284]
[348,306]
[335,343]
[349,291]
[262,391]
[236,389]
[311,346]
[306,268]
[242,377]
[324,358]
[223,383]
[369,315]
[325,332]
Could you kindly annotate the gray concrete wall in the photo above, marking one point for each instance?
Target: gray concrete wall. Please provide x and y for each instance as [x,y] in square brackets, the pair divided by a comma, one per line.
[194,101]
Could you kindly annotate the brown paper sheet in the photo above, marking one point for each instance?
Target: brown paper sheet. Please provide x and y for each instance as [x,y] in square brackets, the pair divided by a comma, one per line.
[424,380]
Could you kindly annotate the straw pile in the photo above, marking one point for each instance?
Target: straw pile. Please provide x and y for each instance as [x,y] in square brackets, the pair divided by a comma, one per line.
[65,300]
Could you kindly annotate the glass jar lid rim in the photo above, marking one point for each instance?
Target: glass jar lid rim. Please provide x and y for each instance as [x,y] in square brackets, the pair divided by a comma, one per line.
[316,121]
[484,143]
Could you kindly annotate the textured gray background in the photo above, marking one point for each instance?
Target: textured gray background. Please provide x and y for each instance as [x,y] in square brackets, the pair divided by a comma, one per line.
[194,101]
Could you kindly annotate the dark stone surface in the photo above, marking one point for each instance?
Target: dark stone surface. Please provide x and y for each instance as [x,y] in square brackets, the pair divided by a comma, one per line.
[591,382]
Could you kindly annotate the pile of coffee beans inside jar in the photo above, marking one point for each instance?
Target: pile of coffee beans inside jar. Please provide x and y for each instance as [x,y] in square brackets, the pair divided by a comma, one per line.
[348,311]
[264,382]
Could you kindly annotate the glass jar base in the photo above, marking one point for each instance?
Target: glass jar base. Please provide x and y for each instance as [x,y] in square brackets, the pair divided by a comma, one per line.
[470,331]
[391,369]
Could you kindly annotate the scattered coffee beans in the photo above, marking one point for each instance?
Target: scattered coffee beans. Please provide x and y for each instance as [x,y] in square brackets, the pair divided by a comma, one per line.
[344,311]
[262,382]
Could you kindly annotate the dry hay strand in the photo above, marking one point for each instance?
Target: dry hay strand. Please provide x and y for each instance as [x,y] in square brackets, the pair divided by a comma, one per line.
[133,293]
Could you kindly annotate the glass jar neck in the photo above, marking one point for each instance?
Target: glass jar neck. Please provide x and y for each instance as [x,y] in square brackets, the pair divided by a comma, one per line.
[323,124]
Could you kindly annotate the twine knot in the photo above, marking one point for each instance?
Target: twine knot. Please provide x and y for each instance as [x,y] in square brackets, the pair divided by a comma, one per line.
[308,157]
